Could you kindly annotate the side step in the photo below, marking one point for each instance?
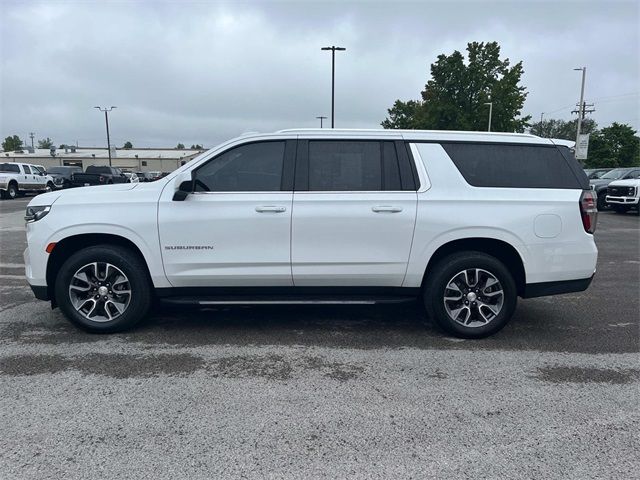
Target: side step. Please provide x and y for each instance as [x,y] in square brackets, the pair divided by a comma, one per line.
[285,300]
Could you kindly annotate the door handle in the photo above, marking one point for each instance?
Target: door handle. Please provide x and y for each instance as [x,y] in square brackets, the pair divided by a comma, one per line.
[386,209]
[270,208]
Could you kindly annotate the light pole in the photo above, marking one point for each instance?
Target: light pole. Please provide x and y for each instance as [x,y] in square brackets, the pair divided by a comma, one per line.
[490,113]
[333,77]
[321,118]
[106,121]
[581,106]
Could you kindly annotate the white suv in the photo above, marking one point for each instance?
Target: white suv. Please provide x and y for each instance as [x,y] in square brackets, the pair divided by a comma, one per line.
[467,221]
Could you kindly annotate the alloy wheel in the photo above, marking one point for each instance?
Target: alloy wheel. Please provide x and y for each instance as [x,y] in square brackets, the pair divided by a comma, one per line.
[473,297]
[100,292]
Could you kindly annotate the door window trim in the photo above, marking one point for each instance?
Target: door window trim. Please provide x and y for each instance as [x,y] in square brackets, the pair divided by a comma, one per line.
[408,175]
[288,166]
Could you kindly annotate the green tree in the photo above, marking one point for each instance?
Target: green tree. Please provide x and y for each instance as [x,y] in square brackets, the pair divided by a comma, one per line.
[455,96]
[127,145]
[556,128]
[180,146]
[12,143]
[45,143]
[197,146]
[614,146]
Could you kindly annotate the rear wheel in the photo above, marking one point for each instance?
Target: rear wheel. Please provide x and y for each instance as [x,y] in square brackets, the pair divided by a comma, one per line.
[50,187]
[12,191]
[103,289]
[470,294]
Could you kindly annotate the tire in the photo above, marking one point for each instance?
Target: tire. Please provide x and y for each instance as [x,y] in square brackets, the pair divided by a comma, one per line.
[620,209]
[50,187]
[123,311]
[12,191]
[601,204]
[482,316]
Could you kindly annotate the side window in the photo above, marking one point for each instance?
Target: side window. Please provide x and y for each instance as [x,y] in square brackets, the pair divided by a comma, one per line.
[633,174]
[512,166]
[345,166]
[255,167]
[27,169]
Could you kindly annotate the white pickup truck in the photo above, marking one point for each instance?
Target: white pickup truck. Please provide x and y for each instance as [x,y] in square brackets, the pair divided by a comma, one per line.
[465,221]
[19,178]
[624,195]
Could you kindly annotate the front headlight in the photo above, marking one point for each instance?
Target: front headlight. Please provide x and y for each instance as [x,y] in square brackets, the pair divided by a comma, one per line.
[632,191]
[34,214]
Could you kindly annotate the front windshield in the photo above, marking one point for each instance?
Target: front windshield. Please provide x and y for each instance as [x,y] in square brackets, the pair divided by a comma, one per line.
[614,174]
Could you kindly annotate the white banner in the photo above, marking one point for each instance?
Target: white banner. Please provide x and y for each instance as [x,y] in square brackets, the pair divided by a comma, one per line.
[582,147]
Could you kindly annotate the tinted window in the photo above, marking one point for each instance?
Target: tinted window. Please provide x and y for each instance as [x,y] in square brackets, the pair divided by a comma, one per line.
[614,174]
[345,166]
[9,167]
[256,167]
[633,174]
[26,169]
[515,166]
[94,169]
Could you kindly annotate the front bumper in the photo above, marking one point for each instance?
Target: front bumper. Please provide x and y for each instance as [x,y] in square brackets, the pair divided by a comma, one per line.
[622,200]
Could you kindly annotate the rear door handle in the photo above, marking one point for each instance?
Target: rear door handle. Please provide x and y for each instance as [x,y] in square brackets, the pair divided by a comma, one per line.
[386,209]
[270,208]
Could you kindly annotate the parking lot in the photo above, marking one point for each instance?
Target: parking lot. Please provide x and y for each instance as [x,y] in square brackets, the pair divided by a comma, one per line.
[325,392]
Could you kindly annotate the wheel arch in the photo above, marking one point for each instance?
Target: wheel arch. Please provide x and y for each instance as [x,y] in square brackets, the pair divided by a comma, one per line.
[69,245]
[503,251]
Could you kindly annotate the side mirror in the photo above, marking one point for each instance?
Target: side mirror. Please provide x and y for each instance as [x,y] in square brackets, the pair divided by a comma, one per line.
[42,174]
[185,187]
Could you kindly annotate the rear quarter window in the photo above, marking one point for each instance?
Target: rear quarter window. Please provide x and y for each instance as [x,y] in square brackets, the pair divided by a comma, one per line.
[513,166]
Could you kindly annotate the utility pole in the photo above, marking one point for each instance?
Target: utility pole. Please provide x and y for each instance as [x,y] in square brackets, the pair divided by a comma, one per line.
[333,78]
[541,117]
[321,118]
[106,120]
[31,136]
[490,112]
[580,106]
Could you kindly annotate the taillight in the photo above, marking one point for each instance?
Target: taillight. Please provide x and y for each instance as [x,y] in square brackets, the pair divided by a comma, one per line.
[589,210]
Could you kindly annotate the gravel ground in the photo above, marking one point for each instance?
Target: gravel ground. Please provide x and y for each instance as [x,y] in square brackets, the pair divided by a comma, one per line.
[325,392]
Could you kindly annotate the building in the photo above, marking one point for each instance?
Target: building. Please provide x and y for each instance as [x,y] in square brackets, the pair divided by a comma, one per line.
[130,160]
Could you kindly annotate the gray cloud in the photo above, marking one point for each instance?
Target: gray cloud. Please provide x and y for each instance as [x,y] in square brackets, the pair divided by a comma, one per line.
[200,72]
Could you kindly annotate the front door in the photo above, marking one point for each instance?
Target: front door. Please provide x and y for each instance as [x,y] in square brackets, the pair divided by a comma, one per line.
[234,230]
[354,211]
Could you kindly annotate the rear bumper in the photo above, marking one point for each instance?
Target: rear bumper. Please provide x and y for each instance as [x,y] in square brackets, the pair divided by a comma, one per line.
[532,290]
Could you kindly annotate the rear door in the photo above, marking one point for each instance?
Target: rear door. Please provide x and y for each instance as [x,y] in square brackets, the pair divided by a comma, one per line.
[30,182]
[354,210]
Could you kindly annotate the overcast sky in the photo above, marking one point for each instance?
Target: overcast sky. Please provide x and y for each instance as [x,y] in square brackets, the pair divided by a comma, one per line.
[202,72]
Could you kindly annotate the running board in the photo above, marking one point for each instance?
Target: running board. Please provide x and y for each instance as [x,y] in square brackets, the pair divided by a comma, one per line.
[210,301]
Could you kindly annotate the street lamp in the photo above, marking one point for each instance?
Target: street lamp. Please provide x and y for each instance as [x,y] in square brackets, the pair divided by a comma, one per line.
[490,112]
[106,120]
[321,118]
[333,77]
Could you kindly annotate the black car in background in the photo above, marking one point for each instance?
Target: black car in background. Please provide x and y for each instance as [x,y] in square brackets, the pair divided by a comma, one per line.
[594,173]
[62,175]
[98,175]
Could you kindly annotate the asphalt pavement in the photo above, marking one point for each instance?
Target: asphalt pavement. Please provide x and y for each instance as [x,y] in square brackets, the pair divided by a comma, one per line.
[325,391]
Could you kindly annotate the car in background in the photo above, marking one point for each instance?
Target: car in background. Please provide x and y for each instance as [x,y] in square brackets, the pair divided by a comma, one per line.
[599,185]
[133,178]
[593,173]
[20,178]
[155,176]
[624,195]
[62,175]
[98,175]
[145,176]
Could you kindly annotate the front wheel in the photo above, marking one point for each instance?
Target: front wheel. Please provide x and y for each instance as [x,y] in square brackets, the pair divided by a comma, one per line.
[470,294]
[103,289]
[620,209]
